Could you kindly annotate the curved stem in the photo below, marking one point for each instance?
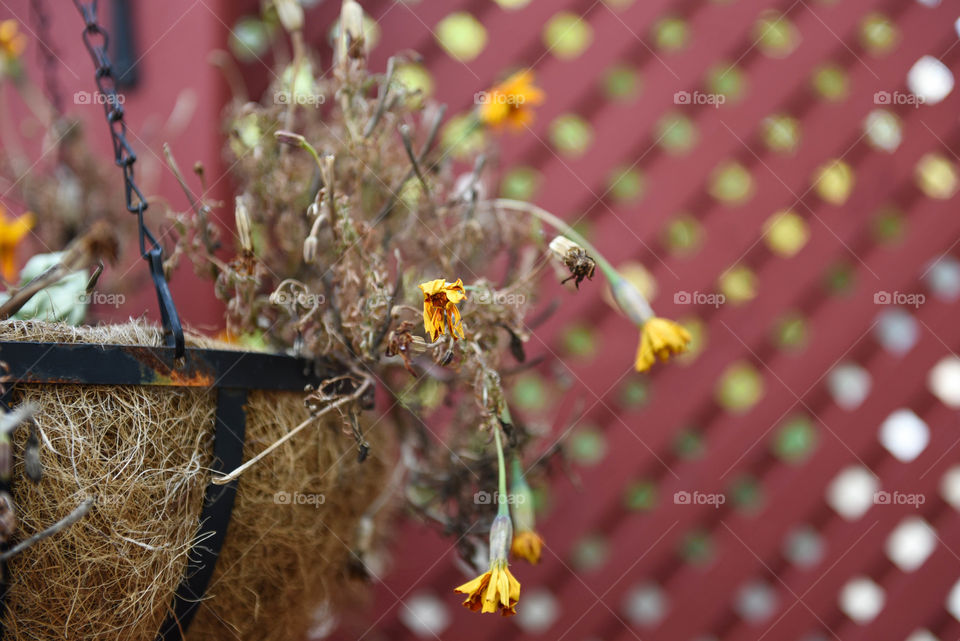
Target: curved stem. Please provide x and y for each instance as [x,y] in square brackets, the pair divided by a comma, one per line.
[560,226]
[502,508]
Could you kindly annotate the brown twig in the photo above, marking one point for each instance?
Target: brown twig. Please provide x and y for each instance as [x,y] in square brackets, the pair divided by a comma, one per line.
[78,513]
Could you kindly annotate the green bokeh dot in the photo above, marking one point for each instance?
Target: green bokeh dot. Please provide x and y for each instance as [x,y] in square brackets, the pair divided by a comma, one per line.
[461,35]
[566,35]
[621,82]
[640,496]
[520,183]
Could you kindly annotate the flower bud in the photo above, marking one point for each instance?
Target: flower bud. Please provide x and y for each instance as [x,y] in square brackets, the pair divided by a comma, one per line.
[309,249]
[243,225]
[290,13]
[351,30]
[631,301]
[501,536]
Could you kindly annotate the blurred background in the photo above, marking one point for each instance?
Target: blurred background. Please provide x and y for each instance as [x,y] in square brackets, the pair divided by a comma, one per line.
[781,177]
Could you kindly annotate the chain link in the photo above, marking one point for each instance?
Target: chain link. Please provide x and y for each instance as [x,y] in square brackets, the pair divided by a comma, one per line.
[96,40]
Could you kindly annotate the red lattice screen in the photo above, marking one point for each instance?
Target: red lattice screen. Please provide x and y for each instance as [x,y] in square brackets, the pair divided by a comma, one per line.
[780,409]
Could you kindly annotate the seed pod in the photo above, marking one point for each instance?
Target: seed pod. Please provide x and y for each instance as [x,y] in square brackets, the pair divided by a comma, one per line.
[8,517]
[6,457]
[31,456]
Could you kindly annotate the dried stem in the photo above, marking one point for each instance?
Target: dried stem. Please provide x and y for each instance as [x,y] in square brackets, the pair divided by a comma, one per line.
[78,513]
[235,474]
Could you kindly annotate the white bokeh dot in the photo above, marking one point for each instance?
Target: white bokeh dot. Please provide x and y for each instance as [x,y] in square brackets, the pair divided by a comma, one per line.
[645,605]
[930,80]
[849,385]
[425,615]
[944,381]
[851,492]
[911,543]
[897,331]
[953,601]
[540,609]
[922,635]
[950,487]
[905,435]
[861,599]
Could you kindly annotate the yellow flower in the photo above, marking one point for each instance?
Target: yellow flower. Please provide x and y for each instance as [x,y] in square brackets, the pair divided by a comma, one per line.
[660,338]
[12,42]
[440,313]
[527,544]
[494,589]
[11,233]
[511,101]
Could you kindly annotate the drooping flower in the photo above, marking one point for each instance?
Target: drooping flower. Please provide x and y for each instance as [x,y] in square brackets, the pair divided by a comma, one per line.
[440,313]
[11,234]
[527,544]
[660,338]
[12,42]
[511,101]
[495,589]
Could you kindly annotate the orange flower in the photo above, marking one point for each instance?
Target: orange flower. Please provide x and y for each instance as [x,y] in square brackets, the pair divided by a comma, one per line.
[511,101]
[527,545]
[440,313]
[11,233]
[12,42]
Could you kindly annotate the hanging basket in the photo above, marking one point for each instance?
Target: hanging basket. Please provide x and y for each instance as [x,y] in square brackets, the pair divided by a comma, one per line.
[163,552]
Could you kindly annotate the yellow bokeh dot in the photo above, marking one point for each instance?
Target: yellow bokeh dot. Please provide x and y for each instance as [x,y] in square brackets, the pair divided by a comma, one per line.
[731,183]
[414,77]
[833,181]
[513,4]
[738,285]
[740,387]
[937,176]
[461,35]
[566,35]
[786,233]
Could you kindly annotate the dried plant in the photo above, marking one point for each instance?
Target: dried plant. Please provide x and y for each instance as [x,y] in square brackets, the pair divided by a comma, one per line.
[354,231]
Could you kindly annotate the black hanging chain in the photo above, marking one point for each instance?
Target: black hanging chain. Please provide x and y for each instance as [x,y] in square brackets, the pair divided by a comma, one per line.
[95,39]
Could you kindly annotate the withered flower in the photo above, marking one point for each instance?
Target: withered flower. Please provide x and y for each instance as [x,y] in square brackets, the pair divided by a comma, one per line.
[574,258]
